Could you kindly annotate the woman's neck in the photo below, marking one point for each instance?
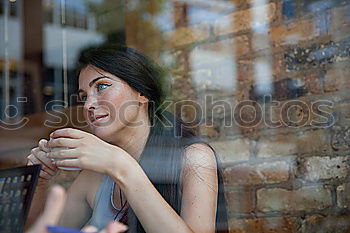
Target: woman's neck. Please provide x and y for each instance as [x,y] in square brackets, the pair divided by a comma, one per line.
[133,139]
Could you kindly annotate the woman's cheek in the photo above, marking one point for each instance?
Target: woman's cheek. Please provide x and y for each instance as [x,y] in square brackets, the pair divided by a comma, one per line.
[120,98]
[113,103]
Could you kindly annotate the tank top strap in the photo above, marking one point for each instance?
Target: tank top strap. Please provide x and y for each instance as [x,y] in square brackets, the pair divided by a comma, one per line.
[103,211]
[101,189]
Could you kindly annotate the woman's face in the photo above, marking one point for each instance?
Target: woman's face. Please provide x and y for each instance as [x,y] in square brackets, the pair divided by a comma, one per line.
[110,103]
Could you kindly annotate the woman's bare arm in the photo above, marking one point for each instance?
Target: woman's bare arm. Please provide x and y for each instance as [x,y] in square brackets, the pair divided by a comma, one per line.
[200,188]
[199,194]
[77,210]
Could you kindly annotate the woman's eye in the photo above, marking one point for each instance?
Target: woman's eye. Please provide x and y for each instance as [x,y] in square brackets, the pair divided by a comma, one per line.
[102,86]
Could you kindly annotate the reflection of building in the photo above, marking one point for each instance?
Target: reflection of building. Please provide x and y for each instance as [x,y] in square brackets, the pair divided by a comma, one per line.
[66,30]
[11,48]
[62,44]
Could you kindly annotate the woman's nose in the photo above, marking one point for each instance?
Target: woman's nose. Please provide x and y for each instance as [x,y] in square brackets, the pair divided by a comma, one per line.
[90,103]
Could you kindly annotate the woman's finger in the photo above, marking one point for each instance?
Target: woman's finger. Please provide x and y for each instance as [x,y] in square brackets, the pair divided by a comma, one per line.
[114,227]
[42,158]
[43,145]
[29,162]
[33,160]
[63,154]
[63,142]
[68,163]
[89,229]
[44,175]
[45,172]
[68,133]
[50,171]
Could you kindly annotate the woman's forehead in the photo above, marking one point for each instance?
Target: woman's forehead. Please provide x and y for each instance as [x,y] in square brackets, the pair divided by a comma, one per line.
[90,73]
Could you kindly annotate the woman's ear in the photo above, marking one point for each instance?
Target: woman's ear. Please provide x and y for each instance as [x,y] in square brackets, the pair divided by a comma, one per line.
[142,99]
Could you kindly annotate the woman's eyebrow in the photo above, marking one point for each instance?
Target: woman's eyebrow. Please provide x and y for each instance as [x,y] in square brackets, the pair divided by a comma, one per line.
[98,78]
[95,80]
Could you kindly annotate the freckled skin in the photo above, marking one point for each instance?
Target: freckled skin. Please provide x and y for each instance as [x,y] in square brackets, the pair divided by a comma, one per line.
[118,100]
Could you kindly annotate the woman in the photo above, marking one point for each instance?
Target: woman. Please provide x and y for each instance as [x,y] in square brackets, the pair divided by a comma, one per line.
[139,158]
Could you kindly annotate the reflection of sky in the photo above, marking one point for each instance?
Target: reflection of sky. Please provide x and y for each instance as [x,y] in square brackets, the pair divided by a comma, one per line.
[199,15]
[262,66]
[263,77]
[164,19]
[220,73]
[196,14]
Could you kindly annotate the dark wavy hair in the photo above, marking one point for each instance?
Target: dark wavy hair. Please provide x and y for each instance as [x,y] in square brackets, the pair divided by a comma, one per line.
[162,158]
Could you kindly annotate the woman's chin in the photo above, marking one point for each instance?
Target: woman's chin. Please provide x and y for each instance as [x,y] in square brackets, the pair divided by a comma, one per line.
[101,132]
[107,131]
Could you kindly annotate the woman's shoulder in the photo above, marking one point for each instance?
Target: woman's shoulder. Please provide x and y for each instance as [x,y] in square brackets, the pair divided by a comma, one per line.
[199,168]
[199,155]
[89,176]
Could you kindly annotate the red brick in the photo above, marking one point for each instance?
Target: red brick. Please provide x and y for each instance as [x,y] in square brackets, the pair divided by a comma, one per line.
[245,3]
[186,35]
[267,172]
[314,141]
[297,113]
[209,131]
[343,111]
[343,195]
[278,66]
[314,83]
[141,29]
[239,4]
[181,62]
[293,33]
[324,224]
[232,150]
[241,20]
[264,225]
[231,47]
[244,72]
[278,145]
[302,142]
[337,79]
[340,137]
[317,168]
[340,22]
[240,202]
[306,198]
[242,90]
[310,141]
[178,14]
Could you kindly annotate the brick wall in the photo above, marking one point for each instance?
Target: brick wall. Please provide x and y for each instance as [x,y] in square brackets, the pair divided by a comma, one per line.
[272,79]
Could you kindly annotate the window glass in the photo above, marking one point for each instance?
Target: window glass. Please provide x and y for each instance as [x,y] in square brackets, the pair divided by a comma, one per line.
[264,82]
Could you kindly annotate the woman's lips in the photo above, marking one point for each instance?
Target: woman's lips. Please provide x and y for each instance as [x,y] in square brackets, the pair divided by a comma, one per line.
[100,118]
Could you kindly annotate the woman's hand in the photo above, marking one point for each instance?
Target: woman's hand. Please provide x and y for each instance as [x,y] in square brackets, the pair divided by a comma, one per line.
[39,155]
[84,151]
[53,209]
[112,227]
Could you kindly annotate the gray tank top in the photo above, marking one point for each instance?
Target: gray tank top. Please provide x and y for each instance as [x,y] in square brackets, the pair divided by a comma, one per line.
[104,211]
